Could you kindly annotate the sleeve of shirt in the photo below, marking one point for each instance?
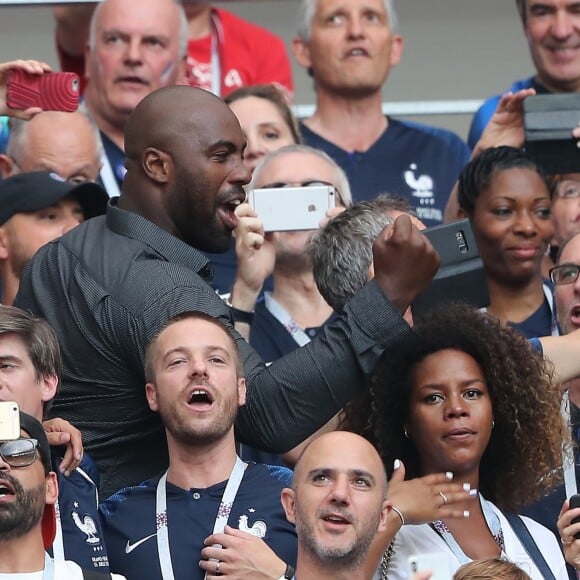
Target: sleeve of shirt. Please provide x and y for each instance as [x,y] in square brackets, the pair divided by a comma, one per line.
[297,394]
[536,345]
[480,121]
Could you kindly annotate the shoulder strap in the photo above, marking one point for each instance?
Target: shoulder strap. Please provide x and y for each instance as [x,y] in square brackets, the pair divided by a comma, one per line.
[94,575]
[522,532]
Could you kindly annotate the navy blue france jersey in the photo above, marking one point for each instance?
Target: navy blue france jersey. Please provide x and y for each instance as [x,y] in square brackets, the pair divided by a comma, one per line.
[130,527]
[82,532]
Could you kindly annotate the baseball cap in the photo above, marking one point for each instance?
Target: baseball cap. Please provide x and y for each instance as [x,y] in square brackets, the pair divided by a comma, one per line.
[36,431]
[27,192]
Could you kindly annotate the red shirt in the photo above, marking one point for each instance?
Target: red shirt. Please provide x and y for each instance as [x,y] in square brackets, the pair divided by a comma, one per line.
[248,55]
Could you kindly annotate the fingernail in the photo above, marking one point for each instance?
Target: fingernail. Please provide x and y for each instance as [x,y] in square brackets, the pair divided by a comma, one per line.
[449,475]
[473,492]
[466,486]
[397,464]
[465,514]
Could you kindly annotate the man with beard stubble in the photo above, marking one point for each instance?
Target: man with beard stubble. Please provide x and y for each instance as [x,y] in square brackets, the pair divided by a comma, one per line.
[157,530]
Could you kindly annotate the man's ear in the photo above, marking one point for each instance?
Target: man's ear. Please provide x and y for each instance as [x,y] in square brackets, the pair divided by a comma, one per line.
[48,386]
[301,52]
[396,50]
[51,488]
[157,165]
[241,392]
[6,166]
[288,499]
[384,515]
[151,394]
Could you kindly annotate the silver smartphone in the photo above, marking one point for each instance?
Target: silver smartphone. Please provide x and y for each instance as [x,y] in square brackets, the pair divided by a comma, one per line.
[437,563]
[9,421]
[292,208]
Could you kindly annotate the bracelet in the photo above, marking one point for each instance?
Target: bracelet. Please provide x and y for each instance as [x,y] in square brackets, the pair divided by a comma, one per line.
[399,513]
[240,315]
[288,574]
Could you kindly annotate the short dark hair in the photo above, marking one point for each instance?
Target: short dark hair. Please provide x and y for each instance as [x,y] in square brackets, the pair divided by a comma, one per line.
[521,6]
[38,338]
[194,315]
[478,173]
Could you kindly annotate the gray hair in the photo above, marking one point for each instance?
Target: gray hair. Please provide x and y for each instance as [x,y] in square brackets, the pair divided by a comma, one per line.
[342,251]
[307,9]
[340,180]
[17,139]
[183,26]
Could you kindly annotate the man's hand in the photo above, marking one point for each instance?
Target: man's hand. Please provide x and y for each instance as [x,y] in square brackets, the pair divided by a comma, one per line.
[506,126]
[60,432]
[30,66]
[241,556]
[404,262]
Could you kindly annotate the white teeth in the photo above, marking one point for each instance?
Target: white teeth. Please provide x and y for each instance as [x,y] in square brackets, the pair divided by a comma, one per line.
[357,52]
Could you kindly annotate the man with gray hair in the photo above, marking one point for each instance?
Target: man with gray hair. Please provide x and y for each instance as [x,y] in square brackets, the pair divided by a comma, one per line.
[134,49]
[552,29]
[294,312]
[349,48]
[345,245]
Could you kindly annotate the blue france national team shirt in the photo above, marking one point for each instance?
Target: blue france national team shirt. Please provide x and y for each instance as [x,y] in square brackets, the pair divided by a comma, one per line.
[130,532]
[414,161]
[82,532]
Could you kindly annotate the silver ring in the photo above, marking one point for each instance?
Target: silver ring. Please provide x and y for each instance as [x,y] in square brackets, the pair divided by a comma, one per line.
[443,497]
[217,567]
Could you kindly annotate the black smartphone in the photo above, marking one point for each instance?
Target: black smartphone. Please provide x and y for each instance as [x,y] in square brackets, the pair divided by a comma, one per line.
[461,277]
[575,503]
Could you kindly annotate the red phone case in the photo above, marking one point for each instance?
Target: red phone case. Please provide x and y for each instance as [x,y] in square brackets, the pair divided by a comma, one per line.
[49,91]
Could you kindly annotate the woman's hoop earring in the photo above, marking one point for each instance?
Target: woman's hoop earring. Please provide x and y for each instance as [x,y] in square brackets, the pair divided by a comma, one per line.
[406,432]
[492,424]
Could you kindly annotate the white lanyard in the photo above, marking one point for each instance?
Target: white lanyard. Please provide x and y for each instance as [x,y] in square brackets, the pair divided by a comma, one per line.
[550,299]
[48,573]
[216,76]
[57,545]
[221,519]
[108,177]
[299,336]
[568,459]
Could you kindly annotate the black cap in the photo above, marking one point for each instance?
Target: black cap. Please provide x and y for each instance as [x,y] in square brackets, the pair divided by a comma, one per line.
[27,192]
[35,429]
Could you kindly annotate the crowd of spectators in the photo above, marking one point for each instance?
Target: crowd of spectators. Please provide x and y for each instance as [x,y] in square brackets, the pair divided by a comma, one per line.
[221,399]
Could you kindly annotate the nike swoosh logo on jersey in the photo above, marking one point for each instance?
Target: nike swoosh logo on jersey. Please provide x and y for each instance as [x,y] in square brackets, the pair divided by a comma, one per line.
[130,547]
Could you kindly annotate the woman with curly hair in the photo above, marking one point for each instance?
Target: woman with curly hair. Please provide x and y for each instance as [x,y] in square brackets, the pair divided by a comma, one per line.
[471,398]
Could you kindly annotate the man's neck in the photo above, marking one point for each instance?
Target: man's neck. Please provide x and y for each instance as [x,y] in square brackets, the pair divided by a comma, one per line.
[24,554]
[307,568]
[114,129]
[10,284]
[298,294]
[203,466]
[351,124]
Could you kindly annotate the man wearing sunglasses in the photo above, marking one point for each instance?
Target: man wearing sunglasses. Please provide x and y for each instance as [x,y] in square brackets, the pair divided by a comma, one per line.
[29,375]
[28,520]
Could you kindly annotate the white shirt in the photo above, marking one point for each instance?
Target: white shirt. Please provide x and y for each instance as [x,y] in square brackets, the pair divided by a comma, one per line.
[421,539]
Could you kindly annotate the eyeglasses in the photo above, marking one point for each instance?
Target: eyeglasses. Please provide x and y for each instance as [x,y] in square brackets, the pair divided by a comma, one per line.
[565,274]
[19,453]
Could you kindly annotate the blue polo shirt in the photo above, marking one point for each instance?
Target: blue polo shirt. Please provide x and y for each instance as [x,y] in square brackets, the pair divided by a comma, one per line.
[130,531]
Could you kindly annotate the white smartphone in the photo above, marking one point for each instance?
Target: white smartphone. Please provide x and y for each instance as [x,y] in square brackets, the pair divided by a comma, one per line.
[9,421]
[437,563]
[292,208]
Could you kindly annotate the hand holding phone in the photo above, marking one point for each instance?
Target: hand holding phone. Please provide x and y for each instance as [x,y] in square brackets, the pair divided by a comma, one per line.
[575,503]
[48,91]
[436,563]
[9,421]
